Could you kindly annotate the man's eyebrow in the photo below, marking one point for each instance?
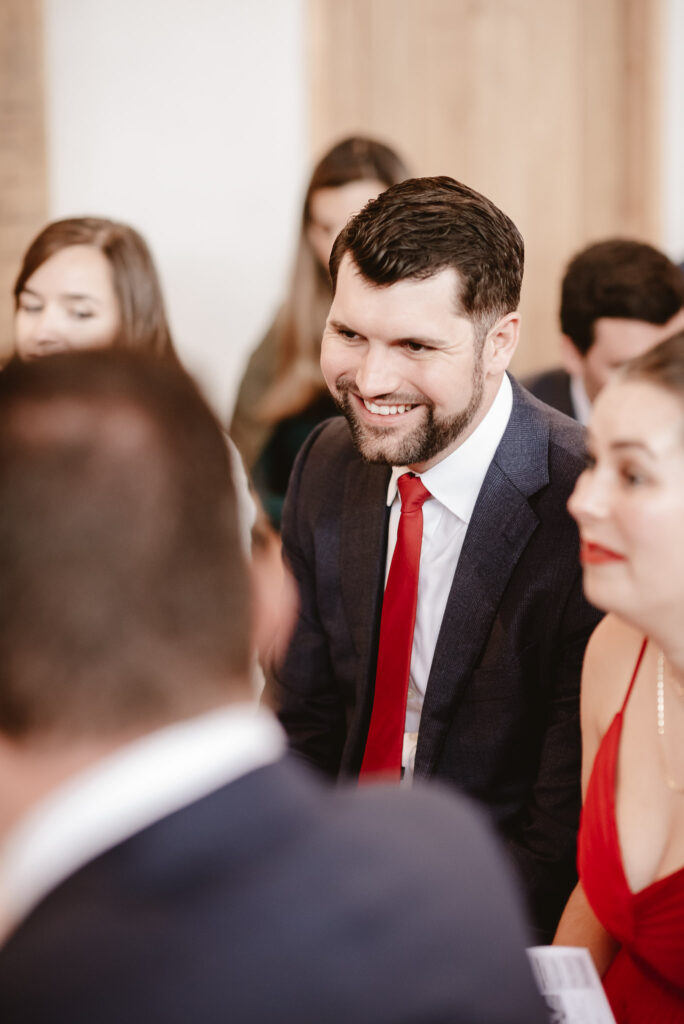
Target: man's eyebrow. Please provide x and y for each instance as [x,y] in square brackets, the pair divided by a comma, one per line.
[340,325]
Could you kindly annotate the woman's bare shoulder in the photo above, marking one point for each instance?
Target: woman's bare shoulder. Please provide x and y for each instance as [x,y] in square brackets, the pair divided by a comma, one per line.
[609,661]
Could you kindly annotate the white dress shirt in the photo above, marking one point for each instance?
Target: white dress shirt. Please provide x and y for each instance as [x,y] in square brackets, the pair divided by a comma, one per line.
[580,400]
[126,791]
[454,483]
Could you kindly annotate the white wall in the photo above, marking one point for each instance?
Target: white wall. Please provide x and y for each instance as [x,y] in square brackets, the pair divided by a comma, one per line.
[188,121]
[673,131]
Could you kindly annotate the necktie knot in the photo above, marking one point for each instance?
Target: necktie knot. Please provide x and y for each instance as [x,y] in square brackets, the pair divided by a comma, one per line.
[413,493]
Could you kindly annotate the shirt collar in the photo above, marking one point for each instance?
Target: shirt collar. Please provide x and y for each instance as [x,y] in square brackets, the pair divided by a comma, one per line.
[580,399]
[457,479]
[125,792]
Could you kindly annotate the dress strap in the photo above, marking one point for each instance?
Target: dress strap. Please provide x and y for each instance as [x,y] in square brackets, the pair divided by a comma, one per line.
[635,673]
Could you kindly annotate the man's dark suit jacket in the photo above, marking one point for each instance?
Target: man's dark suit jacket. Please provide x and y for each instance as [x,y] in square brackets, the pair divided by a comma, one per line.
[276,900]
[552,387]
[500,718]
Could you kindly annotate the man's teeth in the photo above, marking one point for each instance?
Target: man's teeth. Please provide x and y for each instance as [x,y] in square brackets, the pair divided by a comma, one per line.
[386,410]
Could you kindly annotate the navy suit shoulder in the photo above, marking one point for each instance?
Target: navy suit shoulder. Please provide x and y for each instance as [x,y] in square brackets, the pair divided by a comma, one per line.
[276,898]
[552,387]
[537,434]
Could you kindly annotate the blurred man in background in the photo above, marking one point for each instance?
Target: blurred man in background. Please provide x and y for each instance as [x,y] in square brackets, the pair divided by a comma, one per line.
[618,299]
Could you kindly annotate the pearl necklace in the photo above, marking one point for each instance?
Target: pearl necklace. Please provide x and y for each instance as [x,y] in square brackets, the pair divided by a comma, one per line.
[660,720]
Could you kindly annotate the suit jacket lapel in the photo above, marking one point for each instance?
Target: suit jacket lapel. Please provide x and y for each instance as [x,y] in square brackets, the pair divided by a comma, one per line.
[363,548]
[363,544]
[501,525]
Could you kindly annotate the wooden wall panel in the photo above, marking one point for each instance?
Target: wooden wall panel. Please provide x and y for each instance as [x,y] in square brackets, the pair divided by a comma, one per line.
[23,185]
[548,108]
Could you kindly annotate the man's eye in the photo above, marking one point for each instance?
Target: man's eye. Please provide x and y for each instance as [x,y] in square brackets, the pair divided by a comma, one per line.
[346,333]
[82,314]
[589,460]
[415,346]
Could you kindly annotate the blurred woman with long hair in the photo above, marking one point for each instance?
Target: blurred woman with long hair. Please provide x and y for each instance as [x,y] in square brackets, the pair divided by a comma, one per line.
[282,396]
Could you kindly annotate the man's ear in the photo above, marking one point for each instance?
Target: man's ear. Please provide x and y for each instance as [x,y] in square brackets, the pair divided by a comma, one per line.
[571,357]
[501,343]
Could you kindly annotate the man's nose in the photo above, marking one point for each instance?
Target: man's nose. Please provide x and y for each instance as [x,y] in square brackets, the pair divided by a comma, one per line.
[377,374]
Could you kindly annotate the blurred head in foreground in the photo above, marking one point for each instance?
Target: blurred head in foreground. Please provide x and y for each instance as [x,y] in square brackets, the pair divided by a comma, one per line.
[125,600]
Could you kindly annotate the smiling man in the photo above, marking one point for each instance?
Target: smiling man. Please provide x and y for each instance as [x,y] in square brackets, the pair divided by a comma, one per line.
[442,624]
[403,368]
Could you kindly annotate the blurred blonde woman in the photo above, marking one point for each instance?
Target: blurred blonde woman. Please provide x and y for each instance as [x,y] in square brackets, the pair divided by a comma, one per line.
[282,396]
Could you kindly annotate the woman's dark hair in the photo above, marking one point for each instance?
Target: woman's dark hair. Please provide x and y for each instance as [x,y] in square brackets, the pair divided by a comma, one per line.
[354,159]
[301,320]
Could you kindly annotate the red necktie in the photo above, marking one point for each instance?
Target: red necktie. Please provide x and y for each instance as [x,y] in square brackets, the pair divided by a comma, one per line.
[386,732]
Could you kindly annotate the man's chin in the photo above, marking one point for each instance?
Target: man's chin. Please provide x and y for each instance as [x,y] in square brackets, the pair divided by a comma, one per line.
[377,456]
[382,446]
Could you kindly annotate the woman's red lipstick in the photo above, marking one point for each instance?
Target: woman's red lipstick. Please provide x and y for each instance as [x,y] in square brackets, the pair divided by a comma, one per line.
[594,554]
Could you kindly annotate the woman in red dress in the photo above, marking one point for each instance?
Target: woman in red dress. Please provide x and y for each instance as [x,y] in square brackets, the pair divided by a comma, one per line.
[628,907]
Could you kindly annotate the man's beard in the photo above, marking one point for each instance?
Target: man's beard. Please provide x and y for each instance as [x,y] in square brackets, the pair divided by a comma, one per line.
[421,444]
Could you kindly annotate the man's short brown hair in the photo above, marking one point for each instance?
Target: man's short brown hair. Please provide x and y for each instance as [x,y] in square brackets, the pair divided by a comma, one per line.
[425,225]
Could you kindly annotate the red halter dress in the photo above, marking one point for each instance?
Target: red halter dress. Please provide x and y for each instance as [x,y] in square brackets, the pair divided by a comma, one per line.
[645,982]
